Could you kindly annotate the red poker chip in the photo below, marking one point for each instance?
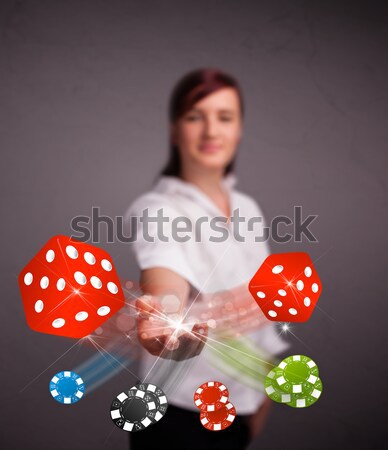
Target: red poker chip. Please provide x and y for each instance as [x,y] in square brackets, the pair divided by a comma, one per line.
[211,396]
[218,420]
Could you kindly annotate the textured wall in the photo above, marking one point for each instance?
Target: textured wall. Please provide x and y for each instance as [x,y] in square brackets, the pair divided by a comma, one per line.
[83,93]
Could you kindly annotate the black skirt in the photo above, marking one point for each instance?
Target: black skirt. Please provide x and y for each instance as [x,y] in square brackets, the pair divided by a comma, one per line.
[182,429]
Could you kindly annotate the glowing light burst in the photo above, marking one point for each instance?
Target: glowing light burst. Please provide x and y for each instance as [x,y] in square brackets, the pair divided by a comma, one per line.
[177,324]
[285,328]
[242,316]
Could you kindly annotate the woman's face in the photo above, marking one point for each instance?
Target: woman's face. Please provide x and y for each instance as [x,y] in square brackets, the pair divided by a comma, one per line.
[207,135]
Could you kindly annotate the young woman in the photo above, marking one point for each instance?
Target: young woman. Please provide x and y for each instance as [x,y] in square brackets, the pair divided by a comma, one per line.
[206,114]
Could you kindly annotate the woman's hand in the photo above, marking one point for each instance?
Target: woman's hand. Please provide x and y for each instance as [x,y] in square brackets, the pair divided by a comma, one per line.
[165,336]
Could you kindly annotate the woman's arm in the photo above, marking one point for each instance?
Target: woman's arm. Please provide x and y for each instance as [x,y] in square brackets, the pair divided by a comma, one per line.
[159,281]
[161,333]
[256,421]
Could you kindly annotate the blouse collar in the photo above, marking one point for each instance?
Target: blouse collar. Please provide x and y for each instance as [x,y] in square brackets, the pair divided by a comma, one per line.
[173,185]
[170,184]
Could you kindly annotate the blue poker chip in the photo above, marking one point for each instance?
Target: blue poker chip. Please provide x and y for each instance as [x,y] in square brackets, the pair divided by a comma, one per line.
[67,387]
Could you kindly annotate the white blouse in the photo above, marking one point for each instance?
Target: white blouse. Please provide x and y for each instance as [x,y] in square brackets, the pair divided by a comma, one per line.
[208,266]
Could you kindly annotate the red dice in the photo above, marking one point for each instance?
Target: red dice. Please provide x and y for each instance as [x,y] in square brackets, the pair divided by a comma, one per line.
[69,288]
[286,287]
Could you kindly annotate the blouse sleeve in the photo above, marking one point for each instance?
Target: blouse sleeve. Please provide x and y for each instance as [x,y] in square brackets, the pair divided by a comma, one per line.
[258,248]
[154,244]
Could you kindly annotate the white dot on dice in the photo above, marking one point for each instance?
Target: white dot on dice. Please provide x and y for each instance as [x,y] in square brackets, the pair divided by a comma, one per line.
[261,294]
[96,282]
[293,311]
[277,269]
[61,283]
[58,323]
[278,303]
[81,316]
[314,288]
[299,285]
[272,313]
[71,252]
[44,282]
[308,272]
[307,301]
[103,310]
[28,278]
[106,265]
[50,255]
[282,292]
[80,278]
[39,305]
[112,288]
[89,258]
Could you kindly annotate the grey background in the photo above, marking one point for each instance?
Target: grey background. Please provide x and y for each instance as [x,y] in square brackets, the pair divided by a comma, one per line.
[84,87]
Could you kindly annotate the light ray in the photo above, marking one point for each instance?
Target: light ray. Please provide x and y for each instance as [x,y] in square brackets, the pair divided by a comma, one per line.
[45,370]
[97,346]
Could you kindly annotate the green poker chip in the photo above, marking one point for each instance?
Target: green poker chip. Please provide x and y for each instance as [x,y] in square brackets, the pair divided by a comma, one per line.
[296,375]
[305,400]
[294,382]
[273,390]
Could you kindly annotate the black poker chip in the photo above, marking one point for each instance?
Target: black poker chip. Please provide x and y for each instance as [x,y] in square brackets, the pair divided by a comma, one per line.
[143,405]
[154,394]
[132,412]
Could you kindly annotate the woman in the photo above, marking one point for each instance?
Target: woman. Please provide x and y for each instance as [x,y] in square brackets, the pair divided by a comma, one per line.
[206,112]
